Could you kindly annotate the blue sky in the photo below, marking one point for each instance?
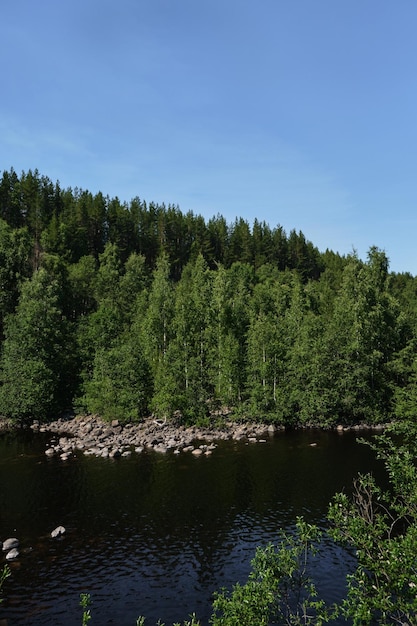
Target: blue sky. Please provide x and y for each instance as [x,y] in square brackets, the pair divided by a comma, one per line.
[297,112]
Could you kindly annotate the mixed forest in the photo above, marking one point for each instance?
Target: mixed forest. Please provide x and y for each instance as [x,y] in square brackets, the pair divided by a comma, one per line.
[130,308]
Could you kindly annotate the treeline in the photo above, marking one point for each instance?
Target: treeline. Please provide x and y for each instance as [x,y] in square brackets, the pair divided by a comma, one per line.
[126,309]
[76,223]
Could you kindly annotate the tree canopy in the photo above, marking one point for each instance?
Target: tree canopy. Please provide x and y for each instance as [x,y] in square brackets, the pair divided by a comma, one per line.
[127,308]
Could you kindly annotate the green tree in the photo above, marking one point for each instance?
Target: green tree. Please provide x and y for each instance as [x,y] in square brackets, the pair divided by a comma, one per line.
[224,353]
[381,526]
[120,387]
[156,331]
[82,278]
[133,283]
[15,253]
[362,338]
[239,248]
[265,349]
[189,348]
[37,354]
[279,589]
[10,202]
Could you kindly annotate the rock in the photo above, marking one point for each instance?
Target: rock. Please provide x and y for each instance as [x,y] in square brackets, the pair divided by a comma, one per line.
[95,437]
[12,554]
[10,543]
[58,532]
[197,452]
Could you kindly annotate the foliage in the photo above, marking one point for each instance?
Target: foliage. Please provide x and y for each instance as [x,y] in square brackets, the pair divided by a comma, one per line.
[120,385]
[191,622]
[381,526]
[219,315]
[36,360]
[4,574]
[279,589]
[85,602]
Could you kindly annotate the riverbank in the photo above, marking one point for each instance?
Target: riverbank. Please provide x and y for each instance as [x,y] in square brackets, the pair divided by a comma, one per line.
[90,435]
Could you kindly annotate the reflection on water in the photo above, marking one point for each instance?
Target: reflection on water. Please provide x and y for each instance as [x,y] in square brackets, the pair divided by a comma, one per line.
[156,535]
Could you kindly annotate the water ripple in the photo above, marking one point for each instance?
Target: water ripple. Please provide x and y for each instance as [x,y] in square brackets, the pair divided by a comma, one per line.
[157,535]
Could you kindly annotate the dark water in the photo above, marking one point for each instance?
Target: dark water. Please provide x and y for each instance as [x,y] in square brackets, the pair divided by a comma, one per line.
[155,535]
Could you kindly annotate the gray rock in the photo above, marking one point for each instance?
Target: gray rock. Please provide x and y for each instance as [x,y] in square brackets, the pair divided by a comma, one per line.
[10,543]
[12,554]
[160,449]
[58,532]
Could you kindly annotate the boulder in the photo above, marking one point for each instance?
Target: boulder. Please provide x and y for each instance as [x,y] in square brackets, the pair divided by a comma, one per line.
[10,543]
[12,554]
[57,532]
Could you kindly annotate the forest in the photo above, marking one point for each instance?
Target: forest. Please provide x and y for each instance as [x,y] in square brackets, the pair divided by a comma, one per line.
[127,309]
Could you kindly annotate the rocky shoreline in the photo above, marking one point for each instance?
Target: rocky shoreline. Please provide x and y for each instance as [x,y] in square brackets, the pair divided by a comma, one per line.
[90,435]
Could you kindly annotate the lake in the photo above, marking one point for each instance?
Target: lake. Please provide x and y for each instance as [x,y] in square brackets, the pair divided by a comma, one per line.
[156,535]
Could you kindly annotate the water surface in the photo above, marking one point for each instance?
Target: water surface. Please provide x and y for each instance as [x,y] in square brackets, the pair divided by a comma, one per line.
[156,535]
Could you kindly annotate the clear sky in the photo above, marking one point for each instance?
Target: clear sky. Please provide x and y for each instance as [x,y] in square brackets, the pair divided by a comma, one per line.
[298,112]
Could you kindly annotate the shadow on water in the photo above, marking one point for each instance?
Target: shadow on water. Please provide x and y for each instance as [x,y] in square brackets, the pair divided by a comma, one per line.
[158,534]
